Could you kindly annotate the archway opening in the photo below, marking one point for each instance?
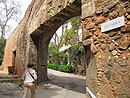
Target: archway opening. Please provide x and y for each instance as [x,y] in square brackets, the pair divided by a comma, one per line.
[66,48]
[48,29]
[68,58]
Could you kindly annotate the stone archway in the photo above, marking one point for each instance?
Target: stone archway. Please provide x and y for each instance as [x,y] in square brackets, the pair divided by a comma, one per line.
[48,29]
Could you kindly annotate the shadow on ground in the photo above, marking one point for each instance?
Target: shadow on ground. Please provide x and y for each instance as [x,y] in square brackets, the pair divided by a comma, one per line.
[76,84]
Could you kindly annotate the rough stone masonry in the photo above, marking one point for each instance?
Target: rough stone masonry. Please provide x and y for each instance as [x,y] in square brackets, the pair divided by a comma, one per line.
[111,49]
[107,54]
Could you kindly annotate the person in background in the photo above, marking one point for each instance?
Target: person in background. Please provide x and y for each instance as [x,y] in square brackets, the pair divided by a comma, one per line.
[29,77]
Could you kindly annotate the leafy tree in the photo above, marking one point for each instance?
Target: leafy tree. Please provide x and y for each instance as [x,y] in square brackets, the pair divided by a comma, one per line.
[2,47]
[53,51]
[9,10]
[71,35]
[68,36]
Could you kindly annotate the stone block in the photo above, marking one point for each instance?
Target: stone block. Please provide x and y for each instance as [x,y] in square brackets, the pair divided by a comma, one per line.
[101,36]
[123,63]
[86,34]
[111,62]
[88,10]
[111,34]
[126,29]
[99,11]
[118,37]
[108,75]
[128,17]
[105,10]
[56,3]
[83,1]
[112,4]
[121,10]
[124,43]
[93,48]
[87,42]
[117,78]
[123,96]
[94,38]
[90,26]
[128,10]
[111,47]
[128,55]
[106,69]
[100,20]
[101,3]
[129,76]
[114,52]
[113,15]
[126,79]
[48,1]
[103,46]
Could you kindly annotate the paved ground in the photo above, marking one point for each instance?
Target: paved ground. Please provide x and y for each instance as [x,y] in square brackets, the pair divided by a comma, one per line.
[60,85]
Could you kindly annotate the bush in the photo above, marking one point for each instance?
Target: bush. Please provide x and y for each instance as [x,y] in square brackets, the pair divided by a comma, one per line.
[62,68]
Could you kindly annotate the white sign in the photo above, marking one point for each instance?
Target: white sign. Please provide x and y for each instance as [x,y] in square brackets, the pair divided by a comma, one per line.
[91,94]
[112,24]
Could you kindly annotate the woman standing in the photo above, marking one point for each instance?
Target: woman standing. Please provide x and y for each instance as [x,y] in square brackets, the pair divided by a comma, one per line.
[29,78]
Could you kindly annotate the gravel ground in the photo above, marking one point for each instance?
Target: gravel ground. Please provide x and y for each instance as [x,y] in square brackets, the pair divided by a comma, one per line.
[8,87]
[9,90]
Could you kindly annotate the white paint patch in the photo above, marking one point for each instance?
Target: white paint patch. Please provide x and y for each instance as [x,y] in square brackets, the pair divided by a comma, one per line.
[90,93]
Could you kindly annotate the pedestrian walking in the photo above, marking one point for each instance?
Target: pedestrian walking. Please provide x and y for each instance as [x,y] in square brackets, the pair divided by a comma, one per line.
[29,77]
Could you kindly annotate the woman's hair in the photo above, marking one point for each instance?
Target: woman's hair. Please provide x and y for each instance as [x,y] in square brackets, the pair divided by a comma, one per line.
[30,65]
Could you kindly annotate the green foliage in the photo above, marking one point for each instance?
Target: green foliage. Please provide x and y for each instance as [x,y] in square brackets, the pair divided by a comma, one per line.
[53,49]
[76,22]
[62,68]
[72,53]
[53,52]
[2,47]
[68,57]
[67,36]
[71,33]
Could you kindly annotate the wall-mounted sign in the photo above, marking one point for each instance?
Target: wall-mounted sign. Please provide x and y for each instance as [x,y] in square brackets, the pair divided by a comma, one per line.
[112,24]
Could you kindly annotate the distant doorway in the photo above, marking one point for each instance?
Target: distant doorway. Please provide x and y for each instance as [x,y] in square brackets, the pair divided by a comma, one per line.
[14,58]
[14,62]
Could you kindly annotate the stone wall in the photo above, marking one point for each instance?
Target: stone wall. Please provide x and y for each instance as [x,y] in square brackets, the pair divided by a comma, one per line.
[26,49]
[111,49]
[18,42]
[42,19]
[8,54]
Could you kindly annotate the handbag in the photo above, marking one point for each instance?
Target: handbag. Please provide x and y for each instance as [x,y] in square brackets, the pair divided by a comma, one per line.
[33,79]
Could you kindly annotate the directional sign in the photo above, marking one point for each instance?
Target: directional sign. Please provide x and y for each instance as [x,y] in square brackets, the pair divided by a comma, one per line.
[113,24]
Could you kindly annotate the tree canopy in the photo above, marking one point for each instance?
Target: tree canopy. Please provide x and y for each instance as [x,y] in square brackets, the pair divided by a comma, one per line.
[71,35]
[9,12]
